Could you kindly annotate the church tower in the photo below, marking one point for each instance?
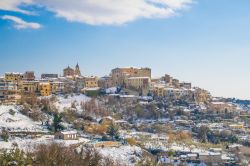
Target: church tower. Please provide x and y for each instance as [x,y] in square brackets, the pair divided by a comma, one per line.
[77,70]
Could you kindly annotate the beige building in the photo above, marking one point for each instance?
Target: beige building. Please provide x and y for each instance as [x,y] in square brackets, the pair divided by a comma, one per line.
[202,96]
[9,92]
[159,90]
[68,72]
[221,106]
[168,79]
[186,85]
[66,135]
[176,83]
[105,82]
[30,87]
[91,82]
[29,76]
[140,84]
[57,87]
[120,75]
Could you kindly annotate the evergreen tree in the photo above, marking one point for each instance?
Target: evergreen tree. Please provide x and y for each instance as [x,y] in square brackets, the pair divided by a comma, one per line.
[57,122]
[113,131]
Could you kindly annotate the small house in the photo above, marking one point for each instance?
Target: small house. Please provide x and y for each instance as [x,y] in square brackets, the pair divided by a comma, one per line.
[66,135]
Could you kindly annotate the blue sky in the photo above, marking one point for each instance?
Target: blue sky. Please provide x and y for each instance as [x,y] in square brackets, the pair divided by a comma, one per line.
[205,42]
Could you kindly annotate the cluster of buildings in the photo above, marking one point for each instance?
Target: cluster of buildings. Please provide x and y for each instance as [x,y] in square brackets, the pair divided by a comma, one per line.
[139,80]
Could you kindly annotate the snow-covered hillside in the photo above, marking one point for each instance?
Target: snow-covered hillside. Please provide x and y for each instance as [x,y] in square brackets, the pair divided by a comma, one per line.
[125,155]
[28,144]
[66,102]
[13,120]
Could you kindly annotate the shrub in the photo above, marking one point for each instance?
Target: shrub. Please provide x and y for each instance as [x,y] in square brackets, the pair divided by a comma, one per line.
[4,135]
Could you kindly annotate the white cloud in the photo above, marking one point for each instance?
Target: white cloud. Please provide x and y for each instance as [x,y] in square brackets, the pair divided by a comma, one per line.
[14,5]
[21,24]
[108,12]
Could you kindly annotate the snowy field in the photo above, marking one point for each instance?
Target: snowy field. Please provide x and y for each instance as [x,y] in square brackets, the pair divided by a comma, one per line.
[27,144]
[125,155]
[15,121]
[64,103]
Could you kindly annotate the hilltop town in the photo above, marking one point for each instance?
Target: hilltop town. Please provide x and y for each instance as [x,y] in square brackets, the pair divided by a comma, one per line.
[127,117]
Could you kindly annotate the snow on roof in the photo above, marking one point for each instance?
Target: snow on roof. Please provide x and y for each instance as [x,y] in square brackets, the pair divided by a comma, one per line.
[130,78]
[44,83]
[95,88]
[218,103]
[69,132]
[192,155]
[15,73]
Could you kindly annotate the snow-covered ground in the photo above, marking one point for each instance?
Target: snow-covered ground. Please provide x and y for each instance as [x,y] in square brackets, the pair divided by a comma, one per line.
[66,102]
[125,155]
[15,121]
[28,143]
[111,90]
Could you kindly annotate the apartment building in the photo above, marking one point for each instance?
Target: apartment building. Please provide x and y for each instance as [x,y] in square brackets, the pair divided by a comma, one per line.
[45,88]
[91,82]
[13,77]
[9,92]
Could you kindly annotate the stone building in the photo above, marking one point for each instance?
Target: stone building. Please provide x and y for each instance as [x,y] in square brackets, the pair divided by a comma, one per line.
[30,87]
[120,75]
[141,84]
[176,83]
[186,85]
[105,82]
[29,76]
[168,79]
[49,76]
[68,72]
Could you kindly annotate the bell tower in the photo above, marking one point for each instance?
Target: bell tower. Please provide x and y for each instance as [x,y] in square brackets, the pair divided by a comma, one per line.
[77,70]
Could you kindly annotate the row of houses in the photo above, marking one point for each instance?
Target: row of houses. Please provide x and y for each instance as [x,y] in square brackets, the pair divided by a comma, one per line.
[132,78]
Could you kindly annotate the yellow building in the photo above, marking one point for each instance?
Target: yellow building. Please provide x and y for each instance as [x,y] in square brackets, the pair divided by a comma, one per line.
[237,126]
[45,88]
[13,77]
[91,82]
